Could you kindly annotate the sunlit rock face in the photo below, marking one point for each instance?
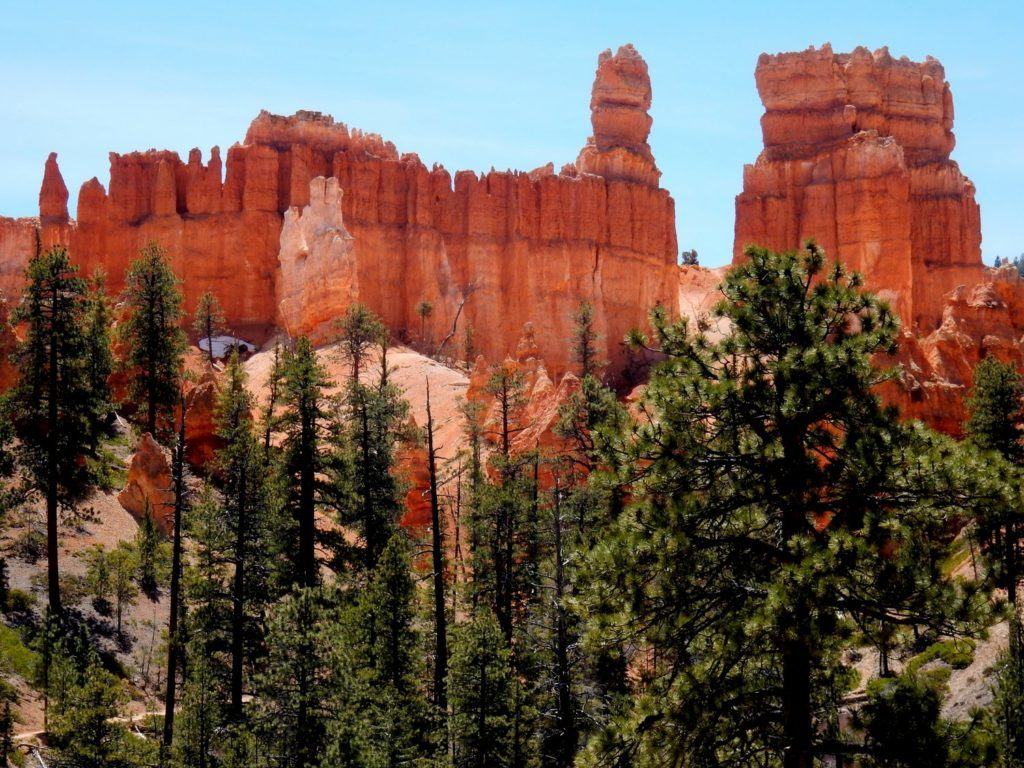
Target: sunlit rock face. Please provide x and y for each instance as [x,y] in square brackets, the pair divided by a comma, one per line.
[317,279]
[857,156]
[510,247]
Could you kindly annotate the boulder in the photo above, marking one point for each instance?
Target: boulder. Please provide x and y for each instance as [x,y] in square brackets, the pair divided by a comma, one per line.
[149,485]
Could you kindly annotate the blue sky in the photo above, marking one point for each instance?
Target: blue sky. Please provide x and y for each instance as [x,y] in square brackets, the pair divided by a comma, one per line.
[476,85]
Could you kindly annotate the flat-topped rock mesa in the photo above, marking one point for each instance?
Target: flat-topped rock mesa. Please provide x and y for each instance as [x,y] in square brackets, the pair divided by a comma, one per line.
[857,155]
[523,247]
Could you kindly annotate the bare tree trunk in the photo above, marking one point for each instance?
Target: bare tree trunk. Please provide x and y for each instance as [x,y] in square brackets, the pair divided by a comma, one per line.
[437,547]
[175,608]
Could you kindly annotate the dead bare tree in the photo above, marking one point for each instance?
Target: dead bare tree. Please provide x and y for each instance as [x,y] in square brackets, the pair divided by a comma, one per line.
[467,291]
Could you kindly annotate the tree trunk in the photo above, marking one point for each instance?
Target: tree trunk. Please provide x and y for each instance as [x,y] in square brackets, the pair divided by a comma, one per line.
[52,552]
[797,720]
[307,521]
[175,607]
[238,601]
[568,736]
[796,704]
[437,551]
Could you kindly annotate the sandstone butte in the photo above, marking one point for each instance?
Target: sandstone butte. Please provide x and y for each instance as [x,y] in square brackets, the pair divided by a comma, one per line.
[857,156]
[311,215]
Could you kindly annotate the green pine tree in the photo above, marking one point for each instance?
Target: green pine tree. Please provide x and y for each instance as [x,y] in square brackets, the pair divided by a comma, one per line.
[359,331]
[481,695]
[53,407]
[152,335]
[996,417]
[769,488]
[208,321]
[99,357]
[84,725]
[297,690]
[303,421]
[396,714]
[363,487]
[241,476]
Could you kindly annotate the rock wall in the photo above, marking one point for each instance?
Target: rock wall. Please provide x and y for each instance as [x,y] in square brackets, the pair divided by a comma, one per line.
[19,240]
[513,247]
[857,155]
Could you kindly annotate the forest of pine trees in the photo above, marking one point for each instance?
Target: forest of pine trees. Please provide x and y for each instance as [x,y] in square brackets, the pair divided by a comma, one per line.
[691,581]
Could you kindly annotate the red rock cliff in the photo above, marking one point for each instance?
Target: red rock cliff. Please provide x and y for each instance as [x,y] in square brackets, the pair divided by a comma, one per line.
[525,247]
[857,155]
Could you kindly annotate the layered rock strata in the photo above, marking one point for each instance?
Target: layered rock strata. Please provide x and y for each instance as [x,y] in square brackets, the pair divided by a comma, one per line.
[509,247]
[857,156]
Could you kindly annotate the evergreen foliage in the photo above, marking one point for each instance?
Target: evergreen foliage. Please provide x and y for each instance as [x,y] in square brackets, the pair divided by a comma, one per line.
[54,407]
[152,336]
[209,321]
[770,491]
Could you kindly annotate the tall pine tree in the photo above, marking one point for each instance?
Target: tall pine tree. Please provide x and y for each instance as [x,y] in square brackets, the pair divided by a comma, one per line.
[54,406]
[769,487]
[152,335]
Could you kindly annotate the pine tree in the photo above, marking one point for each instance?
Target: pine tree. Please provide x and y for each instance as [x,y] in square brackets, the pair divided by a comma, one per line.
[124,566]
[240,476]
[152,334]
[99,357]
[398,731]
[53,407]
[174,644]
[469,345]
[209,321]
[206,631]
[424,309]
[8,697]
[297,688]
[303,422]
[583,344]
[365,492]
[481,695]
[150,551]
[996,417]
[439,568]
[274,385]
[359,330]
[768,489]
[85,728]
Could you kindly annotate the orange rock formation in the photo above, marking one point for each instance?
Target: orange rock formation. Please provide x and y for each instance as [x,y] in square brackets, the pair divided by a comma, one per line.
[857,156]
[149,484]
[523,247]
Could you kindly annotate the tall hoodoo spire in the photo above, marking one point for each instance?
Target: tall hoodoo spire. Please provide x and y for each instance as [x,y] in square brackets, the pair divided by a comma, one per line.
[619,104]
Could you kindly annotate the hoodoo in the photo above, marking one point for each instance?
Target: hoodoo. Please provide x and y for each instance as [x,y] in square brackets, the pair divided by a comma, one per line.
[857,155]
[510,247]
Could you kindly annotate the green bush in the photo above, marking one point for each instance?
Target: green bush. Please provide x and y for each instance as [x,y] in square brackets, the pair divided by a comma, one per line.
[957,653]
[17,657]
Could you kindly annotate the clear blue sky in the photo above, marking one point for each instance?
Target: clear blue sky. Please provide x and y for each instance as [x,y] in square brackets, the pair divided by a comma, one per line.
[476,85]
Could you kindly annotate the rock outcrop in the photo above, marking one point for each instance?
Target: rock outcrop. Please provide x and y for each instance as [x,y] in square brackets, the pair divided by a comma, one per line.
[938,368]
[509,247]
[857,156]
[8,342]
[149,484]
[618,113]
[19,241]
[318,278]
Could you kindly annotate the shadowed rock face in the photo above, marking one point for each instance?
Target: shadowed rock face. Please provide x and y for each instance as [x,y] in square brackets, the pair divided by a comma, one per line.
[525,247]
[856,156]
